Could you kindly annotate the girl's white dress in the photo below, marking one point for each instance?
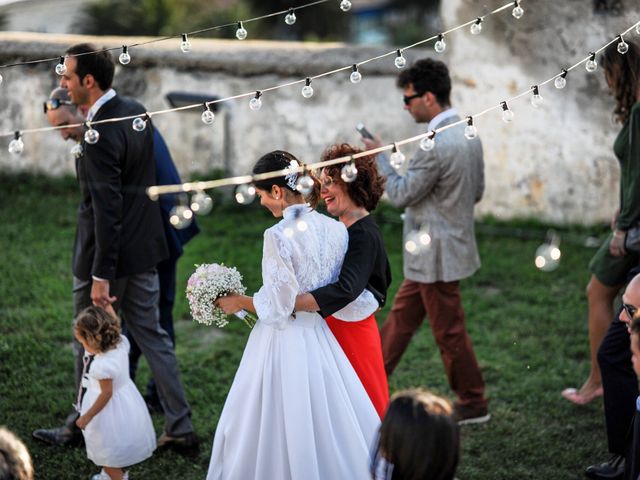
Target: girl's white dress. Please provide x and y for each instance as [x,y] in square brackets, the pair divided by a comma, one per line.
[296,409]
[121,434]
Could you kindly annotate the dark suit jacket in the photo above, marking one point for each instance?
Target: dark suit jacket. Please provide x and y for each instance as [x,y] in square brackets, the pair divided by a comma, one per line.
[167,174]
[119,229]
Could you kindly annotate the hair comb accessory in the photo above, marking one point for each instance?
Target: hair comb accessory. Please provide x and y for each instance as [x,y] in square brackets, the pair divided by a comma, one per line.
[292,177]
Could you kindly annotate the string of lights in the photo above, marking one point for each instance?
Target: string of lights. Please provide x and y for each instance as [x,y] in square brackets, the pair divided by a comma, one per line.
[185,44]
[255,102]
[427,140]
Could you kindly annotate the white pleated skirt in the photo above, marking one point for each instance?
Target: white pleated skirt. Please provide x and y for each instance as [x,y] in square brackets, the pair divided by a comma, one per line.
[296,409]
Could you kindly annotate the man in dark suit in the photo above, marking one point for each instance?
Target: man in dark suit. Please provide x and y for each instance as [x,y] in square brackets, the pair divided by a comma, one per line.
[166,174]
[60,111]
[119,238]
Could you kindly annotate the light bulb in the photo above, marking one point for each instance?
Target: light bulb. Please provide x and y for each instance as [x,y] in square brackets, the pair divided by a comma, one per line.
[560,82]
[241,33]
[427,143]
[397,158]
[547,257]
[302,225]
[476,27]
[180,217]
[76,151]
[91,136]
[536,99]
[16,147]
[349,172]
[139,124]
[400,61]
[440,45]
[304,185]
[245,193]
[424,239]
[507,115]
[185,45]
[355,74]
[207,117]
[124,57]
[623,47]
[470,131]
[256,102]
[290,17]
[345,5]
[591,64]
[61,68]
[517,11]
[412,243]
[201,203]
[307,90]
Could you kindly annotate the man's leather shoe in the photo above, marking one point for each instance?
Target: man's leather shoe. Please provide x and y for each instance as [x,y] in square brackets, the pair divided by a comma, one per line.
[187,444]
[612,469]
[59,436]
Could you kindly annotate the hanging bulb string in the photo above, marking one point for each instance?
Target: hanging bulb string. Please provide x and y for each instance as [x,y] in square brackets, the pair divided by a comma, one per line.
[156,190]
[296,82]
[251,93]
[167,37]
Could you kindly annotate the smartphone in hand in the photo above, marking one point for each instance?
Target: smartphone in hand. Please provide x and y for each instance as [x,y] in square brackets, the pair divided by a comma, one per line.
[363,131]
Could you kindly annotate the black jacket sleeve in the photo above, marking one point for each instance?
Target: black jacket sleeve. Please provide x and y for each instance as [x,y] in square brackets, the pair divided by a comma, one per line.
[104,182]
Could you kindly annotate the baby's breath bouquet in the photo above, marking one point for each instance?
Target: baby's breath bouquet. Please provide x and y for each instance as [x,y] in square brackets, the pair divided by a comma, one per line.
[206,285]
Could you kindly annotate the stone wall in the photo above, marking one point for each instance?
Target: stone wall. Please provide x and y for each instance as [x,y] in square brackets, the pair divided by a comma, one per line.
[555,163]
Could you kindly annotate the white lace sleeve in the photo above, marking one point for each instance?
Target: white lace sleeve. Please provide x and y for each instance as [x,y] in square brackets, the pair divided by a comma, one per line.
[275,300]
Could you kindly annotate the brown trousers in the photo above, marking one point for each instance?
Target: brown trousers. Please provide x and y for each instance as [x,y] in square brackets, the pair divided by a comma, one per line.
[443,306]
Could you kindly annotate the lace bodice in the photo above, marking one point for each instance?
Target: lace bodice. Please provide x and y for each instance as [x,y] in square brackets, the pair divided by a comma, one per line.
[302,252]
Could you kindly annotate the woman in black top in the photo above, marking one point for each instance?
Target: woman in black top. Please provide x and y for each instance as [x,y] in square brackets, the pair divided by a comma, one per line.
[348,304]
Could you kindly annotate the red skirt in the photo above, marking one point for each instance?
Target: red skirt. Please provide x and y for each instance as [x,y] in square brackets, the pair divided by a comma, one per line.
[360,341]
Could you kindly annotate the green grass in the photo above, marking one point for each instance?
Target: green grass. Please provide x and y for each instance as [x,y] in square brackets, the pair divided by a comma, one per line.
[528,328]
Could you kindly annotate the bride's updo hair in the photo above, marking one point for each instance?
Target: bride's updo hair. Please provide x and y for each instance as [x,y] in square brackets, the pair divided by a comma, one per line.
[279,160]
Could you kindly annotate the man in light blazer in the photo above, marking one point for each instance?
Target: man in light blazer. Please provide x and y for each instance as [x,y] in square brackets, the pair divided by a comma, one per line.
[119,237]
[438,192]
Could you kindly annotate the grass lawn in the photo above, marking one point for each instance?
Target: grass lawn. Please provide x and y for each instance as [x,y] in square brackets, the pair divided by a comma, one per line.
[528,327]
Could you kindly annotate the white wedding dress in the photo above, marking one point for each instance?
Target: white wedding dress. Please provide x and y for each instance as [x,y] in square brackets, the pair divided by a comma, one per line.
[296,409]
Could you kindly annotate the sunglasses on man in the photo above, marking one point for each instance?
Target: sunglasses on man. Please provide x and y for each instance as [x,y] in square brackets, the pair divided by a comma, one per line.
[630,309]
[407,98]
[54,104]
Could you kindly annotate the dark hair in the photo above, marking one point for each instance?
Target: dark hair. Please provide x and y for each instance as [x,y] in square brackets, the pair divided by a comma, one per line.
[368,187]
[624,73]
[428,75]
[419,438]
[99,328]
[100,64]
[280,160]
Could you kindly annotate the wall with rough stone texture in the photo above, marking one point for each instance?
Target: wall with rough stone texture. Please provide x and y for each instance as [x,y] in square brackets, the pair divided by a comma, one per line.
[555,163]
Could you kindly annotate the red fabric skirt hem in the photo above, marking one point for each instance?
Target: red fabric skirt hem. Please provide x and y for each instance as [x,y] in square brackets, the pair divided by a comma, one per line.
[360,342]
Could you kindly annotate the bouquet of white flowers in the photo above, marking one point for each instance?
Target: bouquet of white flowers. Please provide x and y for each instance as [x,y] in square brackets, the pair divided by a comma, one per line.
[206,285]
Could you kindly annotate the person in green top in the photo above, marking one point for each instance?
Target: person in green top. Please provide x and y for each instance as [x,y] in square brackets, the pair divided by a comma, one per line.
[612,263]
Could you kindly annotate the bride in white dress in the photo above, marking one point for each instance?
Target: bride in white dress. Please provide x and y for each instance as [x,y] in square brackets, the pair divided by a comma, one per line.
[296,409]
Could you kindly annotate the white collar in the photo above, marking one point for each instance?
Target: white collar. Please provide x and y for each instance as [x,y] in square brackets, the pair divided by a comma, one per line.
[108,95]
[441,117]
[294,211]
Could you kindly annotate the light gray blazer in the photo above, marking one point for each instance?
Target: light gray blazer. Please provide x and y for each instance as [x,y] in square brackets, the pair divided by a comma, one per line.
[438,192]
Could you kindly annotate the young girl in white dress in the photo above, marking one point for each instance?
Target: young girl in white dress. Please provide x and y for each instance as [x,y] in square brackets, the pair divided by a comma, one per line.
[296,409]
[114,418]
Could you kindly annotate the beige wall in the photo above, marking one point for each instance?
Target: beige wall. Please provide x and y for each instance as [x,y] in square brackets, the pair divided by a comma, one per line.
[554,164]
